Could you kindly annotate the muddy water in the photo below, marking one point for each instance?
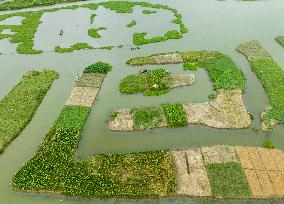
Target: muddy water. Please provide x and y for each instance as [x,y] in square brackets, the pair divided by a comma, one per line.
[214,25]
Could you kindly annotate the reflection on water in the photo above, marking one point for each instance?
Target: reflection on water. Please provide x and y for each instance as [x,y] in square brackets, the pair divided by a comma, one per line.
[214,25]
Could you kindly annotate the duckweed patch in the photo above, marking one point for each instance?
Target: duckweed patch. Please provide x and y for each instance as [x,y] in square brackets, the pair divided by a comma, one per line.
[148,12]
[77,46]
[139,38]
[131,24]
[19,106]
[93,32]
[24,33]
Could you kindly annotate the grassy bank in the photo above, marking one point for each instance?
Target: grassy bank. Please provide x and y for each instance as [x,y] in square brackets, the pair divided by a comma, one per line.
[145,83]
[271,76]
[130,175]
[24,33]
[18,107]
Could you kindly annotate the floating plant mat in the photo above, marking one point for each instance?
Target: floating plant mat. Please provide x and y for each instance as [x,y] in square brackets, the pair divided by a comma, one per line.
[91,26]
[227,110]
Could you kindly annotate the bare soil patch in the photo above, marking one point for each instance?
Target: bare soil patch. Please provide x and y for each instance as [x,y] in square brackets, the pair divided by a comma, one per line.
[122,122]
[176,80]
[226,111]
[171,58]
[82,96]
[191,174]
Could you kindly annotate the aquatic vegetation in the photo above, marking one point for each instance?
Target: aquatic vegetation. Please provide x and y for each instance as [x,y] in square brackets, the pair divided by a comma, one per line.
[77,46]
[221,69]
[139,38]
[148,12]
[268,144]
[92,18]
[98,67]
[19,4]
[175,115]
[228,180]
[24,34]
[131,24]
[154,82]
[93,32]
[19,106]
[189,66]
[280,40]
[148,118]
[130,175]
[271,76]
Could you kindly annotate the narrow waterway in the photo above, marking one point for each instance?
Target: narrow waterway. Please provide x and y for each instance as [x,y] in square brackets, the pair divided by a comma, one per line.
[213,25]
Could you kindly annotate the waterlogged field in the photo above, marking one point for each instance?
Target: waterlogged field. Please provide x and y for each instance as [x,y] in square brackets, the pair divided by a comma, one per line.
[75,137]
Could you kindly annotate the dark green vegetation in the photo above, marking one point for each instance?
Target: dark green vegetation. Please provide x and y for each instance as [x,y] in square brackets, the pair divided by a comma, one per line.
[149,12]
[77,46]
[18,107]
[221,69]
[98,67]
[280,40]
[175,115]
[228,180]
[151,83]
[131,24]
[93,32]
[19,4]
[53,169]
[148,118]
[92,18]
[139,38]
[271,76]
[24,33]
[268,144]
[190,66]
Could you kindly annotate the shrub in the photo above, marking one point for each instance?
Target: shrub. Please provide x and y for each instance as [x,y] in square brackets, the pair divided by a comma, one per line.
[176,117]
[98,67]
[268,144]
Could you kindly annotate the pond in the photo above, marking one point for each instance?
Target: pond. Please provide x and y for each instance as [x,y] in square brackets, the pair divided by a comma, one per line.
[213,25]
